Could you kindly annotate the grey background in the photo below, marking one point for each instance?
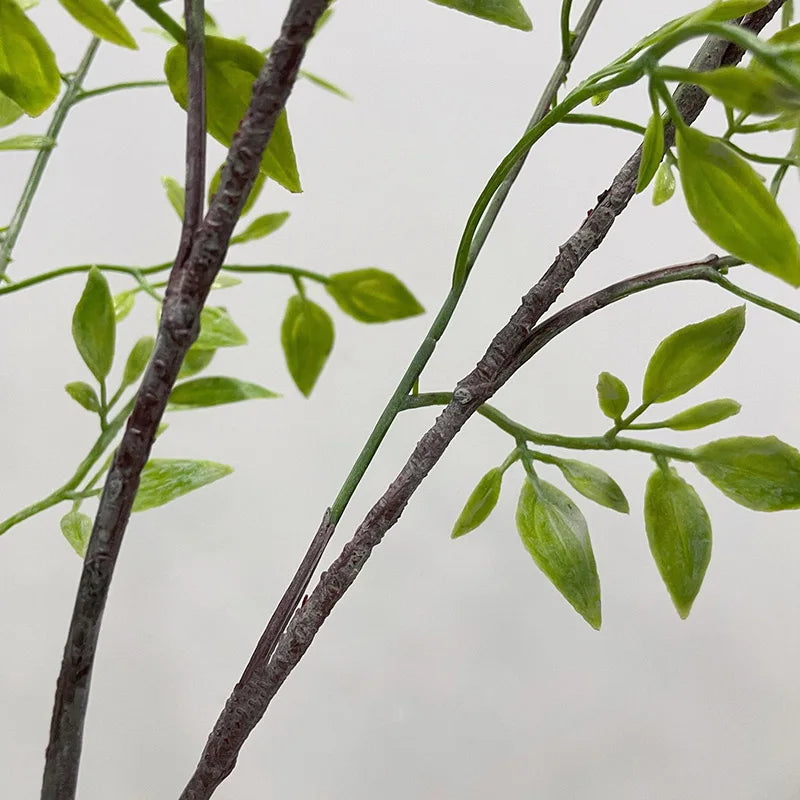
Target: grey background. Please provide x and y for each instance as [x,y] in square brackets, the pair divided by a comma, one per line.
[452,669]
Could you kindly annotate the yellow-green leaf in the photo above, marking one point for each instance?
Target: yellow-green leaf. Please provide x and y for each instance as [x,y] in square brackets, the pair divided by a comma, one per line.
[27,142]
[703,415]
[480,503]
[260,227]
[84,395]
[93,325]
[652,152]
[164,479]
[137,360]
[77,530]
[307,340]
[176,194]
[214,391]
[101,20]
[612,395]
[503,12]
[372,295]
[594,483]
[217,329]
[664,184]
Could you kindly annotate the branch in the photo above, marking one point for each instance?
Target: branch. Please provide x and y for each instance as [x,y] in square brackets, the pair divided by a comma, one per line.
[199,259]
[252,695]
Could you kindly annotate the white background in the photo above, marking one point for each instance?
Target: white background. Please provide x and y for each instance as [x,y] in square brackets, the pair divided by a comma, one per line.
[452,669]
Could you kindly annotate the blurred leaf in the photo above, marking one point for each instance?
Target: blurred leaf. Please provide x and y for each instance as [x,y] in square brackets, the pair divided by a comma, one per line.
[323,84]
[688,356]
[261,227]
[214,391]
[137,360]
[555,533]
[480,503]
[225,282]
[195,361]
[307,340]
[594,483]
[725,10]
[217,329]
[679,534]
[503,12]
[372,295]
[758,473]
[9,111]
[612,395]
[164,479]
[258,185]
[664,186]
[703,415]
[77,530]
[733,207]
[29,74]
[101,20]
[176,194]
[84,395]
[27,142]
[652,152]
[123,304]
[93,325]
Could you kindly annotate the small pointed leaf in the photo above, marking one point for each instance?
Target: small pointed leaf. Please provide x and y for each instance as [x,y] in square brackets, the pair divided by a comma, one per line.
[480,503]
[664,185]
[137,360]
[372,295]
[217,329]
[84,395]
[214,391]
[307,340]
[503,12]
[123,304]
[195,361]
[594,483]
[164,479]
[27,142]
[77,530]
[176,194]
[703,415]
[652,152]
[10,112]
[93,325]
[612,395]
[101,20]
[261,227]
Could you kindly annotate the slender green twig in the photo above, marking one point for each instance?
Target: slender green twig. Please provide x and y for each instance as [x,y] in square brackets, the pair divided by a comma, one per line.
[116,87]
[756,299]
[162,19]
[759,159]
[601,119]
[566,33]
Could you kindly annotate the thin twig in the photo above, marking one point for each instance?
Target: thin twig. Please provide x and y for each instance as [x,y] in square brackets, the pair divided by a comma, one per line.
[251,697]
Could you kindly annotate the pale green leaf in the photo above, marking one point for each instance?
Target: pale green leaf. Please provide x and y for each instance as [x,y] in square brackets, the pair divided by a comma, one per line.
[101,20]
[123,304]
[9,111]
[84,395]
[164,479]
[664,184]
[652,152]
[372,295]
[176,194]
[137,360]
[703,415]
[503,12]
[612,395]
[480,503]
[94,326]
[261,227]
[27,142]
[77,530]
[217,329]
[307,340]
[594,483]
[215,391]
[195,361]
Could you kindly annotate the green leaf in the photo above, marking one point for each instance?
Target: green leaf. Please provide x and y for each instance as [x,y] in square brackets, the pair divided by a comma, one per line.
[27,142]
[612,395]
[231,67]
[323,84]
[261,227]
[480,503]
[664,186]
[258,185]
[703,415]
[84,395]
[123,304]
[137,360]
[29,74]
[225,282]
[652,152]
[688,356]
[101,20]
[77,530]
[217,329]
[503,12]
[307,340]
[9,111]
[214,391]
[725,10]
[733,207]
[195,361]
[758,473]
[164,479]
[555,533]
[594,483]
[679,534]
[176,194]
[93,325]
[372,295]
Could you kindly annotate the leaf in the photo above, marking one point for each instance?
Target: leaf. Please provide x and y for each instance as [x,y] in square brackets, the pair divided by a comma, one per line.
[758,473]
[137,360]
[703,415]
[77,530]
[725,10]
[29,74]
[612,395]
[652,152]
[27,142]
[176,194]
[258,185]
[84,395]
[101,20]
[93,325]
[307,340]
[594,483]
[679,534]
[261,227]
[217,329]
[123,304]
[225,282]
[555,533]
[664,186]
[214,391]
[480,503]
[195,361]
[688,356]
[503,12]
[733,207]
[372,295]
[323,84]
[231,67]
[9,111]
[164,479]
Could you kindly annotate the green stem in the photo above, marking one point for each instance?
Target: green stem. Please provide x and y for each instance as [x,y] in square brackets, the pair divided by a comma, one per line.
[785,162]
[116,87]
[626,421]
[277,269]
[162,19]
[601,119]
[566,33]
[756,299]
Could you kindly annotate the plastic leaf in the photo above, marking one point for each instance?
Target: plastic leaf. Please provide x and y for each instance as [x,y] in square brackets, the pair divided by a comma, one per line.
[225,282]
[612,395]
[664,185]
[688,356]
[176,194]
[725,10]
[84,395]
[123,304]
[503,12]
[214,391]
[703,415]
[555,533]
[255,191]
[679,534]
[164,479]
[217,329]
[27,142]
[652,152]
[29,74]
[480,503]
[101,20]
[137,360]
[595,484]
[94,326]
[231,67]
[9,111]
[758,473]
[195,361]
[732,206]
[372,295]
[77,530]
[307,340]
[261,227]
[323,84]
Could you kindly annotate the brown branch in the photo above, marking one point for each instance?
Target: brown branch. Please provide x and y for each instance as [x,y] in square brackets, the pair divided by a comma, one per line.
[200,256]
[252,695]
